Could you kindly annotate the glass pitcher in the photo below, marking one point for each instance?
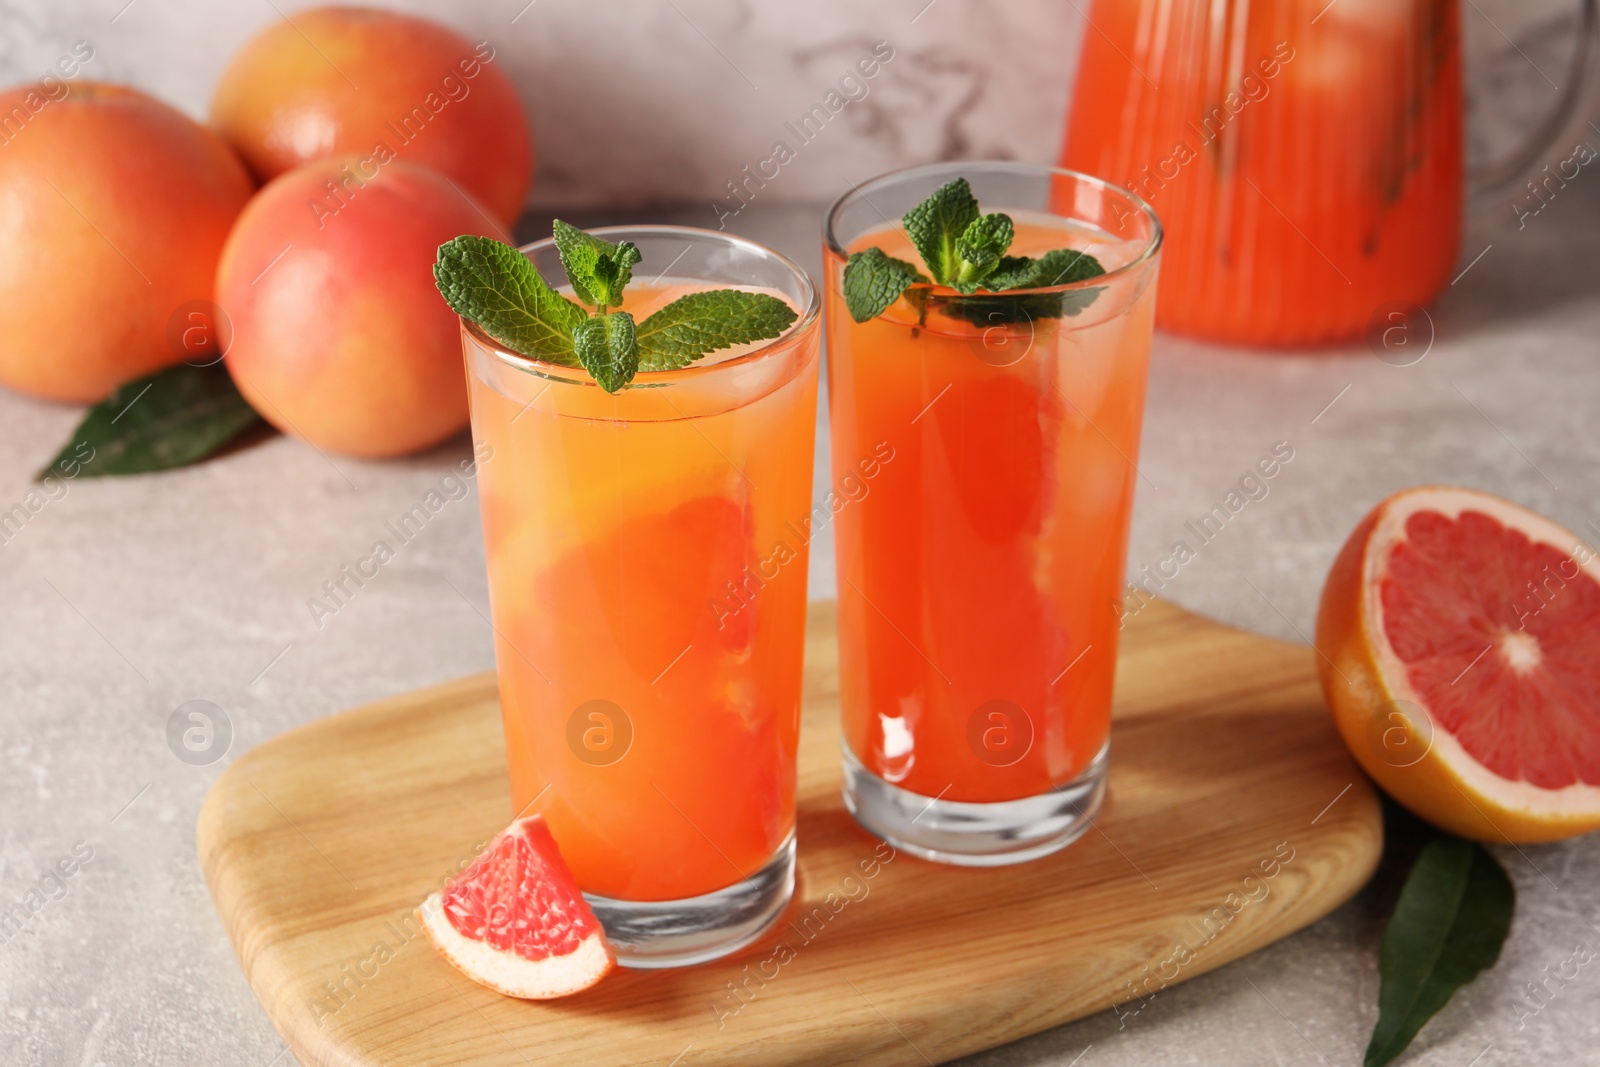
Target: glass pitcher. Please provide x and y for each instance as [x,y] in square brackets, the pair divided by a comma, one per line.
[1305,156]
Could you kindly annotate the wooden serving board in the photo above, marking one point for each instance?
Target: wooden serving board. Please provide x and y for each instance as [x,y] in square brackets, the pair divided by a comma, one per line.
[1235,817]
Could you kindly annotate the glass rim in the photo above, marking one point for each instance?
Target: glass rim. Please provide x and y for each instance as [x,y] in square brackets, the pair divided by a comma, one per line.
[1157,233]
[807,315]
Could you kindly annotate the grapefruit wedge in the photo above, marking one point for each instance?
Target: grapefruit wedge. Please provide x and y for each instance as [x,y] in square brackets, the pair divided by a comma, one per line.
[1460,653]
[515,921]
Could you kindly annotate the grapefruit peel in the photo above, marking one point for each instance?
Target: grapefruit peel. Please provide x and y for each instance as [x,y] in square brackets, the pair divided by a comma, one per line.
[1385,718]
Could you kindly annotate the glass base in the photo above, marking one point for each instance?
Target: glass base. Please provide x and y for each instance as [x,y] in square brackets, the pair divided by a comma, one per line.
[648,934]
[975,835]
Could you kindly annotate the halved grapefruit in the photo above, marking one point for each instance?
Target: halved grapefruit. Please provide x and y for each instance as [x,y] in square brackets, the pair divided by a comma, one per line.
[1460,652]
[515,921]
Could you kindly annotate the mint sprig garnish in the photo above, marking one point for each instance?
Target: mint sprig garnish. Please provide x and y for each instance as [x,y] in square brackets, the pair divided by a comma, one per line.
[598,269]
[873,280]
[964,249]
[693,325]
[936,224]
[980,247]
[497,287]
[608,348]
[1060,267]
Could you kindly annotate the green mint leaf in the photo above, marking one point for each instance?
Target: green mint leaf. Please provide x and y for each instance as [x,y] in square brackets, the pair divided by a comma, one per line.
[873,281]
[174,417]
[980,248]
[598,269]
[694,325]
[936,224]
[1065,266]
[496,286]
[966,251]
[1001,309]
[1013,272]
[1452,916]
[608,349]
[1060,267]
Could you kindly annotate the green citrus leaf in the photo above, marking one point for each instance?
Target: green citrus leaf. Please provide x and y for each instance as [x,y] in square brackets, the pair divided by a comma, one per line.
[1452,917]
[174,417]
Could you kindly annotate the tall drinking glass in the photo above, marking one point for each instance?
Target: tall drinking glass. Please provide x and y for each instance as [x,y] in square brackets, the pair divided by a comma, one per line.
[648,599]
[980,573]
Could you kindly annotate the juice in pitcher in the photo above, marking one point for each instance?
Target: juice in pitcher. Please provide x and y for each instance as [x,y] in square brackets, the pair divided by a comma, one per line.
[1305,157]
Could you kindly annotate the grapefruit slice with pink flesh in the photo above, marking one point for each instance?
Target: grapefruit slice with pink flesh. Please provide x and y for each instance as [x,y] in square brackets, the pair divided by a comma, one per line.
[1459,641]
[515,920]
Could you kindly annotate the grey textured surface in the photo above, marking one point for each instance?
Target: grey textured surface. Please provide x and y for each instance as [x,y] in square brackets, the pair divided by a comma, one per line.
[124,598]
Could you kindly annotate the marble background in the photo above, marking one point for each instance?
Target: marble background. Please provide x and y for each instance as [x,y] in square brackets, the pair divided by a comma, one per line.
[638,102]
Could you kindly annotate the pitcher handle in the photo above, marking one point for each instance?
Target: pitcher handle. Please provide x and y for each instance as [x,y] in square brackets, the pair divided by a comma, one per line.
[1492,182]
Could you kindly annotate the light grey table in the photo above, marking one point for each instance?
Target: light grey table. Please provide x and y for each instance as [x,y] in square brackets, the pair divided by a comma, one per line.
[124,598]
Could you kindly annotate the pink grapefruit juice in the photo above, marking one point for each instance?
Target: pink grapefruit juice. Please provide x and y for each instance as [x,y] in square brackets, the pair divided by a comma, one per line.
[651,716]
[979,578]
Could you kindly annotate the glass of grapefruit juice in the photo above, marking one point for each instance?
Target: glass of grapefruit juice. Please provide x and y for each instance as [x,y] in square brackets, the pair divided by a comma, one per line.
[650,716]
[980,578]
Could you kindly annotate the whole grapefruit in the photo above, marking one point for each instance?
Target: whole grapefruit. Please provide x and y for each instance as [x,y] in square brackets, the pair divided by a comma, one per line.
[1460,653]
[113,210]
[339,336]
[335,81]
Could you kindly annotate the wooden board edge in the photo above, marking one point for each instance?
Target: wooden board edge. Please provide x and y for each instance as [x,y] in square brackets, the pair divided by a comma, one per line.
[1356,841]
[217,836]
[1356,838]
